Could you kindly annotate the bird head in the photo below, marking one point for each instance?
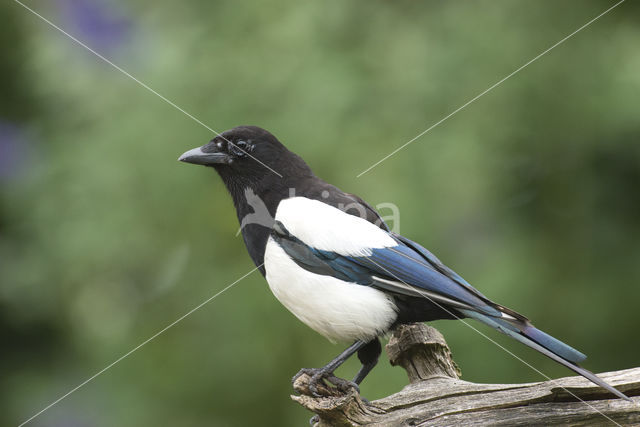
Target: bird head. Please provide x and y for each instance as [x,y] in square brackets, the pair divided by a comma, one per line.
[238,149]
[249,156]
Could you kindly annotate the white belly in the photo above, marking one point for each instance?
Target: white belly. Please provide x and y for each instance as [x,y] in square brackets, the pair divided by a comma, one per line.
[339,310]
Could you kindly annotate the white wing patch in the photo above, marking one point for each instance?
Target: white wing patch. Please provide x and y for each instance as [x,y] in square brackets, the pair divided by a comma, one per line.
[327,228]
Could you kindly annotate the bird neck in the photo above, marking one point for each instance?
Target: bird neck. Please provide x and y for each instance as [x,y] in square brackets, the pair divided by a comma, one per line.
[256,202]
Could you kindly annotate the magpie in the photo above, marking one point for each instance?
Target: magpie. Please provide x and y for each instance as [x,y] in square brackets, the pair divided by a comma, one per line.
[330,259]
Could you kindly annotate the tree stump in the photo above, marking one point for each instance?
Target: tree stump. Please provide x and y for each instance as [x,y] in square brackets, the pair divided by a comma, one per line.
[436,396]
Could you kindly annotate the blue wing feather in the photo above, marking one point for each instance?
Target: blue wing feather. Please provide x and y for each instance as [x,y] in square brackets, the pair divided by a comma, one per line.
[402,263]
[437,264]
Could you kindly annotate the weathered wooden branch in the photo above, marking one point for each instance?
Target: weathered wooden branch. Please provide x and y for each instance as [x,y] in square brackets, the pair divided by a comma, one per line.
[436,395]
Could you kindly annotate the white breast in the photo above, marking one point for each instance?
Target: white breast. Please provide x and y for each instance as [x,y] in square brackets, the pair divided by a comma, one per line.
[339,310]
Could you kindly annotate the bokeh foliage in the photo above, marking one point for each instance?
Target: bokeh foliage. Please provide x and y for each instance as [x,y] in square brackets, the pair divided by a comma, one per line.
[531,193]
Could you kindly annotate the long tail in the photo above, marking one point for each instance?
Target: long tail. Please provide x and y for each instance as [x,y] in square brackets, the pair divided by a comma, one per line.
[555,349]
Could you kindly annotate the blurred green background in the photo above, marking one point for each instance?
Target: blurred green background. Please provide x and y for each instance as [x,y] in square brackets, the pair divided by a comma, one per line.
[531,193]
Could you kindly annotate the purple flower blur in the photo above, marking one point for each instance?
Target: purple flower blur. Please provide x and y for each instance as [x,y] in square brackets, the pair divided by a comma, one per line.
[96,23]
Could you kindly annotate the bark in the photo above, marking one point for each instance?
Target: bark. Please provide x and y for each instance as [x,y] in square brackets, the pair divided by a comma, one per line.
[437,396]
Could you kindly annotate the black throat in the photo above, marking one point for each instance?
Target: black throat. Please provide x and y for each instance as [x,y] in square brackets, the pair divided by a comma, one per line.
[256,199]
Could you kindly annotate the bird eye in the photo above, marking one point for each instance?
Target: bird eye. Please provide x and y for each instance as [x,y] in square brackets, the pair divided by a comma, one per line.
[239,149]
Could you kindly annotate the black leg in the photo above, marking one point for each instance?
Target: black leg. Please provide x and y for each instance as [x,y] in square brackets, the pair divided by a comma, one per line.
[326,372]
[368,356]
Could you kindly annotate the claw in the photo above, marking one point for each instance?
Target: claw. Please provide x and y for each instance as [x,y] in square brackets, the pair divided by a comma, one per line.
[315,379]
[342,384]
[303,371]
[318,375]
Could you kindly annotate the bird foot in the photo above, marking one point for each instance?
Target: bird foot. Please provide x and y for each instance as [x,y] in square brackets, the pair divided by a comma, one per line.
[318,375]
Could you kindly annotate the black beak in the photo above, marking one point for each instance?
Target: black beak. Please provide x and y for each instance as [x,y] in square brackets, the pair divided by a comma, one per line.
[206,155]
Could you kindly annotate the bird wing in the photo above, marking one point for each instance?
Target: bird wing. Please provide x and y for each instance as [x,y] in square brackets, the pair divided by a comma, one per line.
[396,269]
[326,240]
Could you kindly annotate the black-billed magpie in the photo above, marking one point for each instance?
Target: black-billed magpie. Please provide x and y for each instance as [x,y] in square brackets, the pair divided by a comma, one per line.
[330,259]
